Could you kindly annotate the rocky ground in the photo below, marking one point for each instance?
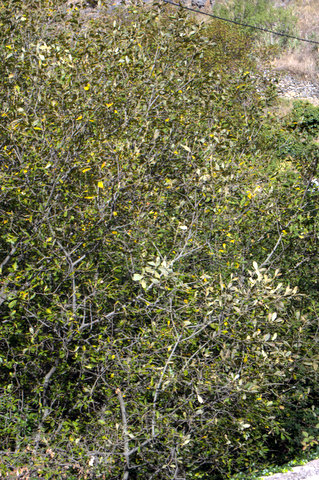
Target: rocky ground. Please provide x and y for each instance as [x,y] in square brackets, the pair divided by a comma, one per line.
[310,471]
[290,86]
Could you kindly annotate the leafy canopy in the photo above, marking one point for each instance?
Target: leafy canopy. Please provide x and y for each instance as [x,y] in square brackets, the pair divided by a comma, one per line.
[146,211]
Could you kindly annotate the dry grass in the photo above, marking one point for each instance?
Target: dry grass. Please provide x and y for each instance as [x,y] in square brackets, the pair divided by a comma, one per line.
[303,60]
[307,12]
[282,107]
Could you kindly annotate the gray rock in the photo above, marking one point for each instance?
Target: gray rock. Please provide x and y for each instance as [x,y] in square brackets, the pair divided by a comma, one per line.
[309,471]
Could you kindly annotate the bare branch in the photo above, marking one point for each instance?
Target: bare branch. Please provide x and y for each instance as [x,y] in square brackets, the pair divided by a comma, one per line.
[125,434]
[161,380]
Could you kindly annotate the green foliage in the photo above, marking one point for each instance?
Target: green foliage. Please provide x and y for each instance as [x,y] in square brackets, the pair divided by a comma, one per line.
[293,148]
[304,118]
[302,459]
[262,13]
[146,325]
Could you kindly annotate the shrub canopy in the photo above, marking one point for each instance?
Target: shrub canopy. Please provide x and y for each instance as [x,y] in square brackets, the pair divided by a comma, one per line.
[153,236]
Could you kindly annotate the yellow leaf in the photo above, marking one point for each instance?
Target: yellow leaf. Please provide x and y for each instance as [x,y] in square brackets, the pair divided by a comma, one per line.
[87,87]
[80,117]
[100,184]
[86,170]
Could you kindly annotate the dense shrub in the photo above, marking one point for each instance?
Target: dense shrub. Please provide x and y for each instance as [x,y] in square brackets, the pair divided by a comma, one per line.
[147,330]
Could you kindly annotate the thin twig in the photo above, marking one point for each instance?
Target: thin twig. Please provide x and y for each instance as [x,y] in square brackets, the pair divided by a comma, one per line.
[160,382]
[125,434]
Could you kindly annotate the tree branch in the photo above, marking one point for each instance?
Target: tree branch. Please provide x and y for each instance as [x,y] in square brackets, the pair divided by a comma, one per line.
[125,434]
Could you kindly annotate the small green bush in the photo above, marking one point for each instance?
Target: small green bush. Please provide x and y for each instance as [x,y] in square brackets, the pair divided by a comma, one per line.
[304,118]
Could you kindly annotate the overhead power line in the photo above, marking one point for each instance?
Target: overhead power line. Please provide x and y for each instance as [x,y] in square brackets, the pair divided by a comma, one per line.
[281,34]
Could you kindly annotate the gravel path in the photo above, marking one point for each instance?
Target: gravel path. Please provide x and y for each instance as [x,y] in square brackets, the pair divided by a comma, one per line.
[310,471]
